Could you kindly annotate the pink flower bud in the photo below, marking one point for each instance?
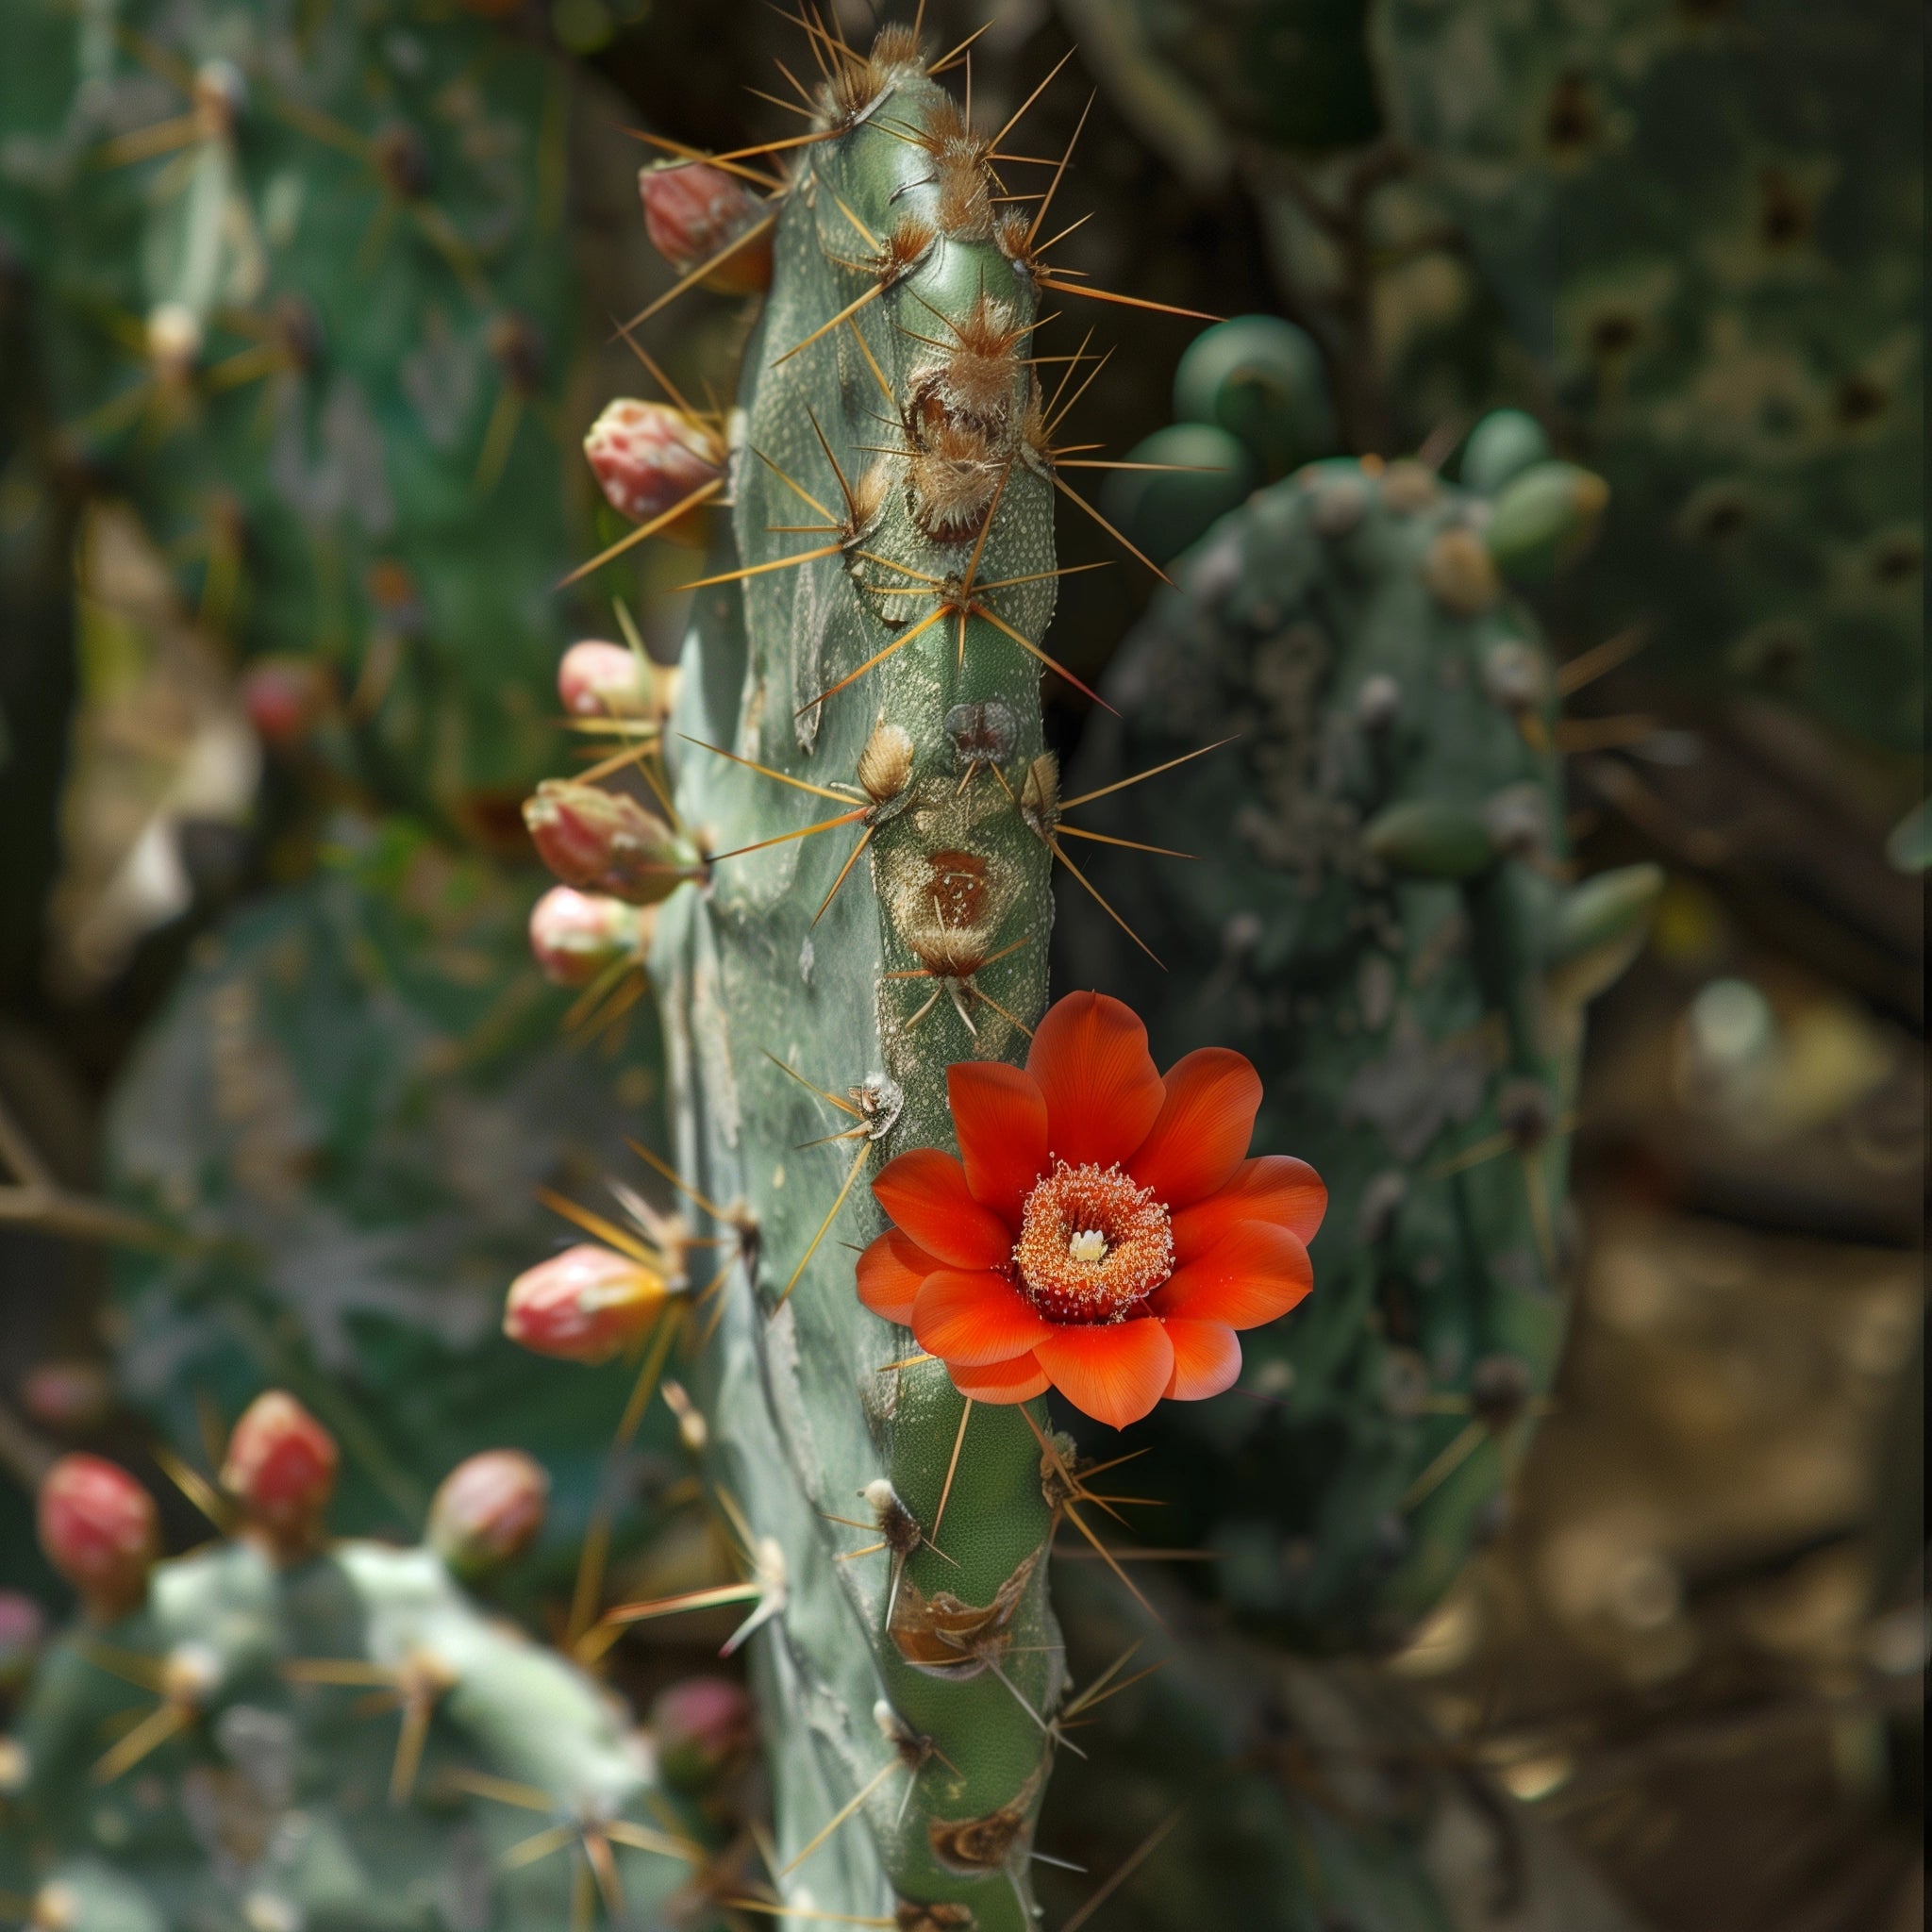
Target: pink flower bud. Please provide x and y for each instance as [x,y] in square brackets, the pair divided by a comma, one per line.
[22,1630]
[99,1529]
[599,680]
[67,1396]
[585,1304]
[606,842]
[281,1468]
[703,1728]
[574,936]
[488,1509]
[285,699]
[692,211]
[647,457]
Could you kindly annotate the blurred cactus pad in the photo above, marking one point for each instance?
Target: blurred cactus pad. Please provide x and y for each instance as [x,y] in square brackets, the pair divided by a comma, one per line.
[309,302]
[1384,921]
[314,1733]
[343,1114]
[1704,224]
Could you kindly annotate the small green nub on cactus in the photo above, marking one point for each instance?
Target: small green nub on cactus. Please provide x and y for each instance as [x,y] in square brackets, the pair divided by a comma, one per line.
[1260,379]
[1545,518]
[1501,446]
[98,1528]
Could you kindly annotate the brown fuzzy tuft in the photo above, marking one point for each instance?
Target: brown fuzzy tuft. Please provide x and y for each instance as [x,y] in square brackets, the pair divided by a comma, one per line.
[906,248]
[859,85]
[954,473]
[975,381]
[960,173]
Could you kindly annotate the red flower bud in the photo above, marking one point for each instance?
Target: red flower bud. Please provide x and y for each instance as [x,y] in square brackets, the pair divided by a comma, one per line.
[585,1304]
[99,1529]
[22,1630]
[285,699]
[488,1509]
[691,211]
[647,457]
[599,680]
[606,842]
[574,936]
[281,1468]
[703,1728]
[67,1395]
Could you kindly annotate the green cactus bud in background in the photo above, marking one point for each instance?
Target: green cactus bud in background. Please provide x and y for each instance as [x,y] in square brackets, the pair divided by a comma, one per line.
[1203,473]
[1544,517]
[1261,379]
[1504,444]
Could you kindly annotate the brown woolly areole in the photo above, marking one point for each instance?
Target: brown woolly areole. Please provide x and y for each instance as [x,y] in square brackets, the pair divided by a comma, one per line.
[1093,1246]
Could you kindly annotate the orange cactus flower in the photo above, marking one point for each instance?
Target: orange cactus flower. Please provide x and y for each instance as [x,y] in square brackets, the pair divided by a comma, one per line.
[1103,1229]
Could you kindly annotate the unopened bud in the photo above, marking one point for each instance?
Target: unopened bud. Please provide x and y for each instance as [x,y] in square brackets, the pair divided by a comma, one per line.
[67,1396]
[692,211]
[99,1530]
[585,1304]
[22,1630]
[281,1468]
[648,456]
[575,936]
[606,842]
[487,1511]
[600,680]
[703,1728]
[284,697]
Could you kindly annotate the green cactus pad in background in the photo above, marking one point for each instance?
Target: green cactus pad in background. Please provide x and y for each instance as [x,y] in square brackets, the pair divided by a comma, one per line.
[1704,228]
[1386,935]
[346,1111]
[289,1731]
[310,304]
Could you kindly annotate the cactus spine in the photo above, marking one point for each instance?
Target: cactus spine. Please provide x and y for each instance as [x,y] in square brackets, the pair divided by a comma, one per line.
[887,399]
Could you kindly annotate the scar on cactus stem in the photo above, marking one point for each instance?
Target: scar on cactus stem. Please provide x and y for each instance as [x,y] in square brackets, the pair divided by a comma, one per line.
[1101,1231]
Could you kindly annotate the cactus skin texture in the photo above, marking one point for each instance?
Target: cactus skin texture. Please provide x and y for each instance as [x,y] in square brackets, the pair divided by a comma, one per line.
[308,303]
[1729,326]
[269,1794]
[344,1109]
[806,1411]
[1388,936]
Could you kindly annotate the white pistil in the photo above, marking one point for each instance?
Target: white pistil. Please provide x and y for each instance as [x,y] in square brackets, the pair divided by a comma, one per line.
[1089,1245]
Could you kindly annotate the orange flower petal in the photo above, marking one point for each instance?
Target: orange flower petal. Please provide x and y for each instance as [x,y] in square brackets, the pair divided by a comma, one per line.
[1255,1272]
[1207,1358]
[973,1320]
[1090,1055]
[1114,1372]
[890,1273]
[1019,1380]
[1206,1121]
[1000,1115]
[1275,1187]
[926,1193]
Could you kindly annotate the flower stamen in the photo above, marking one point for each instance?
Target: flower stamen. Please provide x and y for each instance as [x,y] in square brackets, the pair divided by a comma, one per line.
[1092,1245]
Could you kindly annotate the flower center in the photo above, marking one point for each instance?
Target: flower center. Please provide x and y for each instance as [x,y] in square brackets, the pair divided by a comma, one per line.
[1091,1244]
